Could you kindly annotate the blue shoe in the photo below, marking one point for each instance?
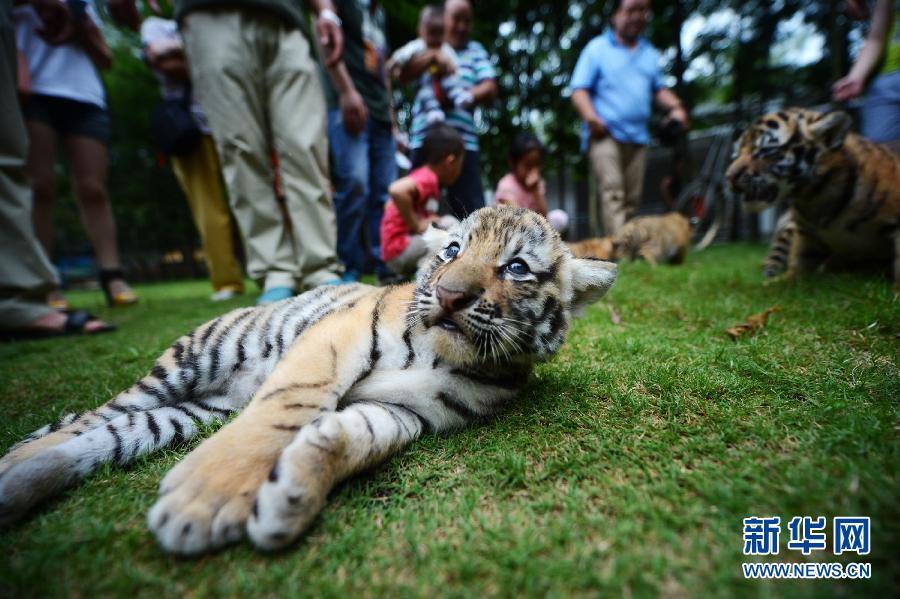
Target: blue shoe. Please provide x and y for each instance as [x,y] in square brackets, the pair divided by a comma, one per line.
[349,276]
[275,294]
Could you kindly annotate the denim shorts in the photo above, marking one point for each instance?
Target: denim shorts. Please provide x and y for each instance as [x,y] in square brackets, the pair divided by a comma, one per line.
[69,117]
[881,109]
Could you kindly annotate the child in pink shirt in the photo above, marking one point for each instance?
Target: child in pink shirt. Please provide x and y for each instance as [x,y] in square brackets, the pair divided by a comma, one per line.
[523,186]
[415,198]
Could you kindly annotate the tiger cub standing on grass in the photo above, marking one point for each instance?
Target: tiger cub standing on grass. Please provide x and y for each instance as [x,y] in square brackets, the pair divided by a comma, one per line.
[337,380]
[658,238]
[844,191]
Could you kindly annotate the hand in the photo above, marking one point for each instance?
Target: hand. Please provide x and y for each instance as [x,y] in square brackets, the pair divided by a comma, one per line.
[331,38]
[424,223]
[464,101]
[125,14]
[353,112]
[678,114]
[58,26]
[401,139]
[533,180]
[597,128]
[445,64]
[847,88]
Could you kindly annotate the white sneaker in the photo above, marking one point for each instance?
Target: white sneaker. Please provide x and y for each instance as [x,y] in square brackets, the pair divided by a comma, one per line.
[223,295]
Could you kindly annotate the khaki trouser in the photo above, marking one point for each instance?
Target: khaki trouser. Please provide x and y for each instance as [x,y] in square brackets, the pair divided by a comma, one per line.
[259,87]
[201,180]
[26,274]
[619,169]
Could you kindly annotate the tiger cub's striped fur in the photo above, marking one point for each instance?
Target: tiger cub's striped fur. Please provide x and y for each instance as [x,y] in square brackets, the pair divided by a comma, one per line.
[776,261]
[657,238]
[334,380]
[844,191]
[600,248]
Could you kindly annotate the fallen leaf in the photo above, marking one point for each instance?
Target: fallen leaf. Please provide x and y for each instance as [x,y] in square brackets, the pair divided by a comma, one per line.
[753,323]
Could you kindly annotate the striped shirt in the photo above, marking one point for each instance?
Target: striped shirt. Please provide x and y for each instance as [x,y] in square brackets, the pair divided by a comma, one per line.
[473,65]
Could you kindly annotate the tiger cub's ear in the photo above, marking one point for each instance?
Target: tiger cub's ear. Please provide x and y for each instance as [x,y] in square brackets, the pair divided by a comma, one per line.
[832,128]
[591,279]
[435,238]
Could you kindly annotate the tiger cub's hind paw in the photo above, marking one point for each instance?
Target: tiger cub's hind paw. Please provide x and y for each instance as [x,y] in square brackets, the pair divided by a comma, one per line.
[25,484]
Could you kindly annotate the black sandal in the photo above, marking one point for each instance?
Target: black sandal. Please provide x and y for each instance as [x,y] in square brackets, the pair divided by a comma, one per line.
[123,298]
[75,323]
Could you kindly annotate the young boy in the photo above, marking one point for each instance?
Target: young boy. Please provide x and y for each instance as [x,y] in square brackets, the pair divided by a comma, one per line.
[415,197]
[439,88]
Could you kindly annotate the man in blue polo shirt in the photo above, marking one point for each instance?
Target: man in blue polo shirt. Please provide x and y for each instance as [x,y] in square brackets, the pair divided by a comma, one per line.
[614,84]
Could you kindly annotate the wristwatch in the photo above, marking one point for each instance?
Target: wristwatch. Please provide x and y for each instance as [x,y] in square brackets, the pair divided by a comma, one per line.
[329,15]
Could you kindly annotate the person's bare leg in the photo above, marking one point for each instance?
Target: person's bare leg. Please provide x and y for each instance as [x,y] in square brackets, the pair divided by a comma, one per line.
[89,162]
[41,168]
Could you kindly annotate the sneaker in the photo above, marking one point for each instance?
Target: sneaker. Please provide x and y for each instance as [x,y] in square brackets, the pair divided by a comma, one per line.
[275,294]
[223,295]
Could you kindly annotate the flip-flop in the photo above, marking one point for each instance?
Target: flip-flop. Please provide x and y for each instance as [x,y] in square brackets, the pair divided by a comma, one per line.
[75,323]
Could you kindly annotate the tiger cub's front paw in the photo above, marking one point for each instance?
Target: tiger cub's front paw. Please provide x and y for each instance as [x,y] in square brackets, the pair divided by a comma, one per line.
[297,487]
[204,503]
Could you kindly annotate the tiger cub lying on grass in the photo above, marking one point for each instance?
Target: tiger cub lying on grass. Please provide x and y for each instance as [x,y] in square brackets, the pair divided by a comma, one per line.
[844,191]
[337,380]
[658,238]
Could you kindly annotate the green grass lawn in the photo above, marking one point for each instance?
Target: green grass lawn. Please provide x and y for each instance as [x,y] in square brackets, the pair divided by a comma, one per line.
[626,467]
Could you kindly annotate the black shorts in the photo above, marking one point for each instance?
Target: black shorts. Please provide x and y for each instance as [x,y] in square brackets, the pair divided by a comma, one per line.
[69,117]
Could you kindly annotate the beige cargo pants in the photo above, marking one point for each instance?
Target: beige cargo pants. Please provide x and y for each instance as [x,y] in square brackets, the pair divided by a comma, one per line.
[619,170]
[259,85]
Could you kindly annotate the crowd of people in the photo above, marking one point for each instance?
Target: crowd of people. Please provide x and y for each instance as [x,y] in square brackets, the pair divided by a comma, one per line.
[290,134]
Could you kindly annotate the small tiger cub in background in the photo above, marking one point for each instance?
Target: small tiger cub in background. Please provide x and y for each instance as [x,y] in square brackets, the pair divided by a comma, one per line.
[600,248]
[324,385]
[658,238]
[844,191]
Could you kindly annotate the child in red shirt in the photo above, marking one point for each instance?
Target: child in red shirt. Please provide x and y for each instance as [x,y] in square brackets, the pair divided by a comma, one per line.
[414,200]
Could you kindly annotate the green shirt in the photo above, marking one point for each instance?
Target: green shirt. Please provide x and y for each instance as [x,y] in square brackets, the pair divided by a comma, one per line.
[892,51]
[365,48]
[290,10]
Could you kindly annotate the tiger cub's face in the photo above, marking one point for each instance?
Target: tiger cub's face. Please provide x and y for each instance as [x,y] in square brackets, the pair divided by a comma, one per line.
[783,153]
[502,288]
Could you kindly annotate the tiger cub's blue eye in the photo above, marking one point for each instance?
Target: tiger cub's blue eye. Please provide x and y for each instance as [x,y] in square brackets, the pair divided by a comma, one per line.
[517,267]
[451,251]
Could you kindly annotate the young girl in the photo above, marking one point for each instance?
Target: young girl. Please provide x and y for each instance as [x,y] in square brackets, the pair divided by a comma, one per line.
[523,186]
[67,107]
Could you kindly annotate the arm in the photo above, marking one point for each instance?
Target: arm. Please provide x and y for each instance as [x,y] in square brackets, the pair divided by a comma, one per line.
[404,193]
[58,26]
[124,13]
[852,85]
[414,67]
[581,99]
[669,102]
[353,109]
[91,40]
[540,200]
[484,92]
[328,30]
